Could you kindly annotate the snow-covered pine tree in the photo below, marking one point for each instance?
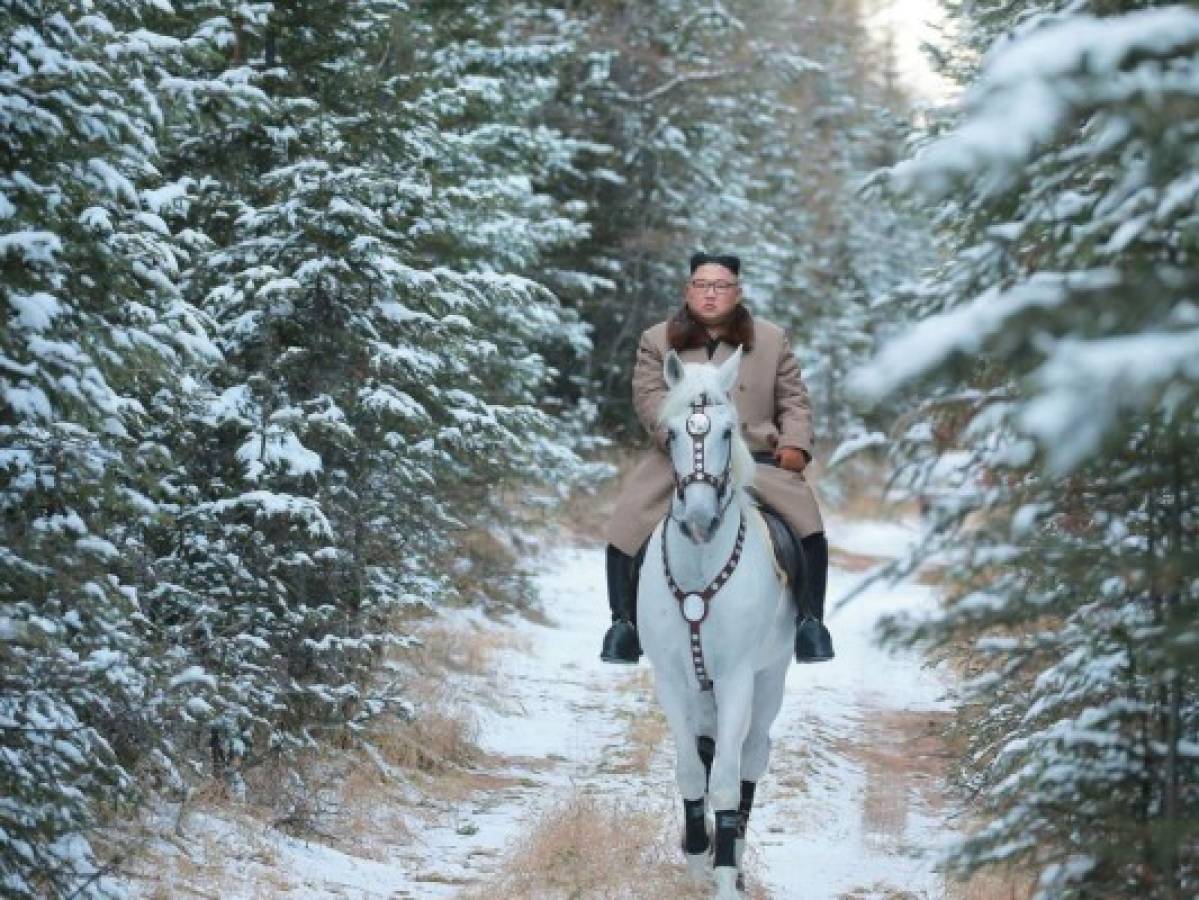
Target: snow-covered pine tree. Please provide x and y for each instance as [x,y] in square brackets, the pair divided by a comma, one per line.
[742,125]
[815,125]
[372,263]
[205,541]
[645,88]
[1056,358]
[95,338]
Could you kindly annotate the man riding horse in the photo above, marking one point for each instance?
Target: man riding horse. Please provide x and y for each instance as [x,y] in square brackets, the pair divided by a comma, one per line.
[776,421]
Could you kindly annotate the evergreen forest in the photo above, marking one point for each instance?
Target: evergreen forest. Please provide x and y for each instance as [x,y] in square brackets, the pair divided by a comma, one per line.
[299,297]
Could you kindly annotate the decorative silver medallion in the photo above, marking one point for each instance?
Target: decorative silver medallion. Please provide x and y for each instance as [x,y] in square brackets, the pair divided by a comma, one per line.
[694,608]
[698,424]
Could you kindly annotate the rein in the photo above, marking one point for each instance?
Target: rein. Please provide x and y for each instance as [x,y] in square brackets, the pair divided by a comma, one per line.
[694,605]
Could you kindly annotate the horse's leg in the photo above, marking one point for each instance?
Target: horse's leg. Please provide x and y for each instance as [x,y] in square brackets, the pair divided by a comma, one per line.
[743,811]
[734,707]
[706,747]
[705,727]
[689,770]
[769,686]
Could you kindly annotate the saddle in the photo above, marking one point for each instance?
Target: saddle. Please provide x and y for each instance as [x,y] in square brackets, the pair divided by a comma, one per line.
[788,552]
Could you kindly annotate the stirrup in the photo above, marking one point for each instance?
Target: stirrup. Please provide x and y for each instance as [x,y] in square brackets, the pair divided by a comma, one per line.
[621,644]
[813,643]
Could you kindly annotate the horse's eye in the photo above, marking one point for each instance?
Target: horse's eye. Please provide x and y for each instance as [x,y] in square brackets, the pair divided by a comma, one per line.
[728,434]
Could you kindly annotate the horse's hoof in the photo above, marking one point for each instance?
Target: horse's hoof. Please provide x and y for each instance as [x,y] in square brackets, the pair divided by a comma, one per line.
[697,866]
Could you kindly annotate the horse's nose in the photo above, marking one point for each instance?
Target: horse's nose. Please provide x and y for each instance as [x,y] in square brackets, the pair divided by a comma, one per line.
[701,534]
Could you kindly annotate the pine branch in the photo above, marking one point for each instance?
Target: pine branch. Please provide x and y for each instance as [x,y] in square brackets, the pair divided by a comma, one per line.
[685,79]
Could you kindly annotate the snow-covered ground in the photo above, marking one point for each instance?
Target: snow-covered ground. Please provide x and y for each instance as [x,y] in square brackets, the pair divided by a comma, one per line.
[851,808]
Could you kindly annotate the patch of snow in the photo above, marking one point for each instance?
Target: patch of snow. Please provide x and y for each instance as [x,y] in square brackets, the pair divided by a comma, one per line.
[888,539]
[559,718]
[35,311]
[280,447]
[193,675]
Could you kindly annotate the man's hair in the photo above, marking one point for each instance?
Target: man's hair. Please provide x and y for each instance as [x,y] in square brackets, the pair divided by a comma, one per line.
[730,262]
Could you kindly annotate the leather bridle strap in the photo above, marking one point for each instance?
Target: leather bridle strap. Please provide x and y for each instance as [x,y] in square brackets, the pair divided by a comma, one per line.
[694,605]
[698,425]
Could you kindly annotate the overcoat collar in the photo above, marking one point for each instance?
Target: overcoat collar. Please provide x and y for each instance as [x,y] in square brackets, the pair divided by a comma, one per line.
[683,333]
[700,354]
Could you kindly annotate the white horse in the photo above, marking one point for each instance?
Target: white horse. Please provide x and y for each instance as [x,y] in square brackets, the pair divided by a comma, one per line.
[715,617]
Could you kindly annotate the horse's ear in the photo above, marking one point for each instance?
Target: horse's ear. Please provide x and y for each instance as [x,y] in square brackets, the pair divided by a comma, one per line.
[726,375]
[672,369]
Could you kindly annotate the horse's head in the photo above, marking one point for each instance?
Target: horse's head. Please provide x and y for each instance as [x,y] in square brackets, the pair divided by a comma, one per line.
[710,459]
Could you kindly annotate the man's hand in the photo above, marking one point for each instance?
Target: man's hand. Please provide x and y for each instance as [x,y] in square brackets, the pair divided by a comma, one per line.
[791,458]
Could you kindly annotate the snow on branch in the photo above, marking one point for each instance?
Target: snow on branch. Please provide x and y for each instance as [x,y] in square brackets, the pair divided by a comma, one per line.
[1032,86]
[966,328]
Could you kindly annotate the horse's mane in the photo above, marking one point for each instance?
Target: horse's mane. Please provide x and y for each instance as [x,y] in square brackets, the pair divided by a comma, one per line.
[701,379]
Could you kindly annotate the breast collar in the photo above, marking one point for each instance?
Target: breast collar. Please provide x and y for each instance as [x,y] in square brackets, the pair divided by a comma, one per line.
[694,605]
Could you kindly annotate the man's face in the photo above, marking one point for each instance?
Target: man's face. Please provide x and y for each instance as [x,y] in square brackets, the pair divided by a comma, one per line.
[712,293]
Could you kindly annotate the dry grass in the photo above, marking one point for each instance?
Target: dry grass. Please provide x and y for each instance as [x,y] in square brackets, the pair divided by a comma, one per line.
[908,754]
[646,735]
[363,799]
[196,861]
[585,513]
[196,866]
[582,515]
[1009,885]
[470,652]
[375,814]
[485,565]
[589,847]
[861,495]
[439,746]
[904,756]
[646,728]
[880,892]
[860,491]
[484,546]
[435,742]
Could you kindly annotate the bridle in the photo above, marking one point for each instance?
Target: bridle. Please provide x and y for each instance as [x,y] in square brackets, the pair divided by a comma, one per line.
[698,426]
[694,605]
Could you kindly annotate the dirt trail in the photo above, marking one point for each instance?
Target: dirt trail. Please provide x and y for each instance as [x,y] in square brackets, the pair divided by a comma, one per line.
[851,806]
[573,794]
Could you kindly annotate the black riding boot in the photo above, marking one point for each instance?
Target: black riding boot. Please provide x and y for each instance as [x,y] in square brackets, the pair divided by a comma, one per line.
[806,564]
[813,643]
[620,643]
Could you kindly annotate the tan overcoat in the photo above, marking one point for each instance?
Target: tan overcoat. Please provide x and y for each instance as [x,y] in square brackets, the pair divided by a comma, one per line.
[772,404]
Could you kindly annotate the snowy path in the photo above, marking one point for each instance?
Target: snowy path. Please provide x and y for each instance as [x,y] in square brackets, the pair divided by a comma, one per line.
[847,811]
[850,802]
